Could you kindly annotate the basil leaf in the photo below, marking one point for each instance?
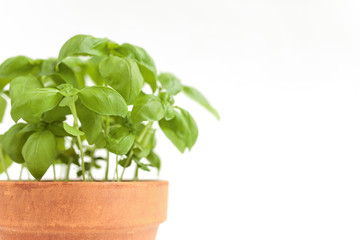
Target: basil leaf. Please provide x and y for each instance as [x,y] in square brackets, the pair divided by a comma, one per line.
[119,140]
[103,100]
[181,130]
[198,97]
[123,75]
[57,114]
[92,69]
[20,85]
[39,152]
[13,141]
[7,162]
[2,108]
[33,103]
[154,160]
[14,67]
[147,108]
[145,62]
[72,130]
[170,83]
[58,130]
[91,124]
[83,45]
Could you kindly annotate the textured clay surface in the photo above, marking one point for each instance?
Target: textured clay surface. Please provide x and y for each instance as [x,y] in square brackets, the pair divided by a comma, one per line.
[82,210]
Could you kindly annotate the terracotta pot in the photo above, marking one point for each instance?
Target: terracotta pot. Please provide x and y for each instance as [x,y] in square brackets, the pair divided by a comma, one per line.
[82,210]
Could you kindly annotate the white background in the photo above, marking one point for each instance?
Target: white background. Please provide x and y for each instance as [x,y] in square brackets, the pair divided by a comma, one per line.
[283,162]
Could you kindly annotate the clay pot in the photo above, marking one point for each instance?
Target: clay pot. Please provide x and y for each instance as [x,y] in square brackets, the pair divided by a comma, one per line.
[82,210]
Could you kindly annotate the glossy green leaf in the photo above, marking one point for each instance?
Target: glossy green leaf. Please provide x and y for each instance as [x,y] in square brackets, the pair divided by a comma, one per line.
[56,114]
[39,152]
[14,67]
[57,128]
[13,141]
[92,69]
[119,140]
[72,130]
[123,75]
[20,85]
[33,103]
[103,100]
[83,45]
[198,97]
[147,108]
[91,124]
[154,160]
[170,83]
[2,108]
[7,163]
[145,62]
[181,130]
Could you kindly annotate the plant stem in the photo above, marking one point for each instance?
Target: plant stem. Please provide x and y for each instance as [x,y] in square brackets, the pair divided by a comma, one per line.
[127,162]
[2,159]
[76,125]
[107,128]
[54,171]
[136,175]
[68,169]
[21,171]
[138,139]
[82,157]
[117,169]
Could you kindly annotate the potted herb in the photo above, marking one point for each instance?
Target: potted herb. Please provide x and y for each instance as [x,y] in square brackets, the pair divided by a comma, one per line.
[97,99]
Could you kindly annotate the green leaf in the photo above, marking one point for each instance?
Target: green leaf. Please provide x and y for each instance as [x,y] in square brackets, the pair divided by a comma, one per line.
[57,114]
[141,165]
[83,45]
[39,152]
[7,163]
[154,160]
[72,130]
[20,85]
[2,108]
[92,69]
[181,130]
[147,108]
[13,141]
[170,83]
[198,97]
[91,124]
[14,67]
[145,62]
[67,90]
[143,148]
[103,100]
[123,75]
[58,130]
[119,140]
[33,103]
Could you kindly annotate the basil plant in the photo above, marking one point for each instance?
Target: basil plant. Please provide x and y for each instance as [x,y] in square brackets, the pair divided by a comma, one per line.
[97,95]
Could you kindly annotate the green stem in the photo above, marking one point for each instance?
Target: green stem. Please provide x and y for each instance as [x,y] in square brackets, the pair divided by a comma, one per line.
[54,171]
[107,128]
[117,169]
[76,125]
[82,157]
[127,162]
[21,171]
[136,175]
[68,169]
[2,159]
[138,139]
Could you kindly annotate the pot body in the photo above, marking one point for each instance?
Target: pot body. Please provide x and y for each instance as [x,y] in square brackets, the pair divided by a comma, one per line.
[82,210]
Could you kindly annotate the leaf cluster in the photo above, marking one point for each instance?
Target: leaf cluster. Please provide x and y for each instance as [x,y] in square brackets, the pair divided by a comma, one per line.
[91,97]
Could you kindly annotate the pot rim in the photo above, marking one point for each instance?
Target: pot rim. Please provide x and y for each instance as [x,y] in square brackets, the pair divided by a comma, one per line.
[79,182]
